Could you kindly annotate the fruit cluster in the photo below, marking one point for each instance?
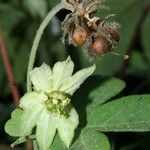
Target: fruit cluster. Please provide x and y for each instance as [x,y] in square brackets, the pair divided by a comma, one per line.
[96,35]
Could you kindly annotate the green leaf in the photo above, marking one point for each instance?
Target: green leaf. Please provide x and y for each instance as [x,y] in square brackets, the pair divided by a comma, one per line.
[105,91]
[129,113]
[36,7]
[45,130]
[58,144]
[91,140]
[13,126]
[95,91]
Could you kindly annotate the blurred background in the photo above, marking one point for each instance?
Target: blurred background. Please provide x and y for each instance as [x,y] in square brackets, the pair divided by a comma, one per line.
[19,21]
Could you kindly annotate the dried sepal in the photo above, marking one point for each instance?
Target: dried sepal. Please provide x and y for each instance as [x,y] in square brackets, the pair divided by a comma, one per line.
[92,6]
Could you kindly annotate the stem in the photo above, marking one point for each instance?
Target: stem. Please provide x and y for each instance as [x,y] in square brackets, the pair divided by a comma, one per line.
[35,146]
[39,33]
[9,71]
[29,145]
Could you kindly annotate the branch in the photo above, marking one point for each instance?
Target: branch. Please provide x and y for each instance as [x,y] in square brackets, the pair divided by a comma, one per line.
[9,71]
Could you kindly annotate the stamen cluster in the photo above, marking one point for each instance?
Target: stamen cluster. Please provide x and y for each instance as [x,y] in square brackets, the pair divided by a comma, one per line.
[57,102]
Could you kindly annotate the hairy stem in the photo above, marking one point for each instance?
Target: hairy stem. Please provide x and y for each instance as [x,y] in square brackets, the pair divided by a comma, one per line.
[37,40]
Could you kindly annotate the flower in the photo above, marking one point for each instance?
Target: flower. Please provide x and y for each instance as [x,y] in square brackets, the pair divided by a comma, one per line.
[48,106]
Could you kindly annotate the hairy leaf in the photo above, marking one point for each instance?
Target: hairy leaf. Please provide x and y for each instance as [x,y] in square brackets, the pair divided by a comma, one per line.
[105,91]
[129,113]
[91,140]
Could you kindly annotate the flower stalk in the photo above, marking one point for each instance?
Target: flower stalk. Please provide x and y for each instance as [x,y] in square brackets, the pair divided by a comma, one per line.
[36,41]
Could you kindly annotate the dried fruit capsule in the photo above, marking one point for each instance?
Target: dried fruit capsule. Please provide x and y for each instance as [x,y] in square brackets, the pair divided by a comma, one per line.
[79,35]
[98,46]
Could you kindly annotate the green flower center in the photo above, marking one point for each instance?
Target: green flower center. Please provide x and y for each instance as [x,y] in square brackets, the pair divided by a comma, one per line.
[57,102]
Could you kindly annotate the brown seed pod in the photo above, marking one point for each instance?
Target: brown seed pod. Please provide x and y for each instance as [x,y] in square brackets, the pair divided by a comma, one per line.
[98,46]
[80,34]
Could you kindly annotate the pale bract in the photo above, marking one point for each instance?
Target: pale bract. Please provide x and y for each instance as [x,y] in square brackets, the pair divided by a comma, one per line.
[47,108]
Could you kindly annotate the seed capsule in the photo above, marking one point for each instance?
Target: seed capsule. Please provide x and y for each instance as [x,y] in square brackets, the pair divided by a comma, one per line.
[99,46]
[80,35]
